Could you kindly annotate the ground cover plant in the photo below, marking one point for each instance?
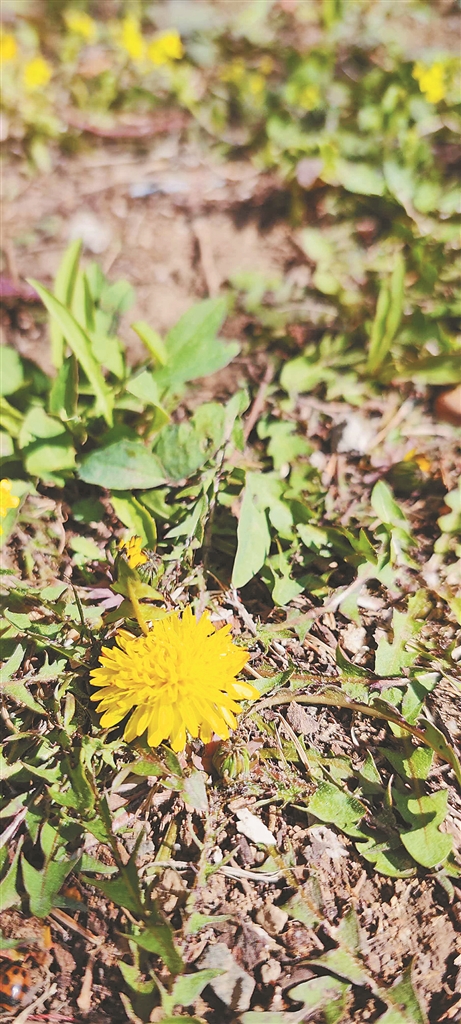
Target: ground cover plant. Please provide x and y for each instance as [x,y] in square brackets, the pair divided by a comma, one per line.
[231,511]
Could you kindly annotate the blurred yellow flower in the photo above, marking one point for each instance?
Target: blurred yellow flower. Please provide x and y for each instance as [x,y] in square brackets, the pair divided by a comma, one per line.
[165,47]
[7,500]
[132,547]
[179,679]
[309,97]
[37,73]
[234,72]
[8,47]
[256,83]
[421,460]
[81,23]
[431,80]
[266,65]
[131,38]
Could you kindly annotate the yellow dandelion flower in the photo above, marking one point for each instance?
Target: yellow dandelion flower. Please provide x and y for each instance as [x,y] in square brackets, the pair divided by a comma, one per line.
[256,84]
[7,500]
[178,679]
[81,23]
[309,97]
[131,38]
[37,73]
[266,65]
[132,548]
[421,460]
[8,47]
[234,72]
[431,80]
[166,47]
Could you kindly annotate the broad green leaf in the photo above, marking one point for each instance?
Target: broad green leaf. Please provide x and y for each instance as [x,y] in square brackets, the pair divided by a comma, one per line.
[433,370]
[192,346]
[392,658]
[63,289]
[11,370]
[152,341]
[44,458]
[386,507]
[425,842]
[388,316]
[197,921]
[109,352]
[253,536]
[326,994]
[194,792]
[64,392]
[136,517]
[405,1007]
[144,386]
[118,890]
[80,344]
[361,178]
[435,739]
[9,896]
[6,446]
[10,418]
[43,886]
[124,466]
[159,939]
[133,978]
[186,988]
[428,846]
[15,688]
[331,804]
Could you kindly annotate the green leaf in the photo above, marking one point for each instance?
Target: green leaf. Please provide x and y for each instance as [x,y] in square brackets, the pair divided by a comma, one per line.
[392,658]
[124,466]
[186,988]
[64,392]
[386,507]
[136,517]
[56,455]
[11,371]
[388,316]
[405,1007]
[80,344]
[197,921]
[364,179]
[182,449]
[43,886]
[433,370]
[194,792]
[118,890]
[64,289]
[193,348]
[331,804]
[9,896]
[326,994]
[16,689]
[425,842]
[253,535]
[159,939]
[152,341]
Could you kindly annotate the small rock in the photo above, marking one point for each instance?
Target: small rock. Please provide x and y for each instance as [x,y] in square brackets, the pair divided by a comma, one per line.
[356,434]
[273,919]
[95,235]
[299,941]
[234,988]
[270,972]
[353,638]
[301,721]
[308,170]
